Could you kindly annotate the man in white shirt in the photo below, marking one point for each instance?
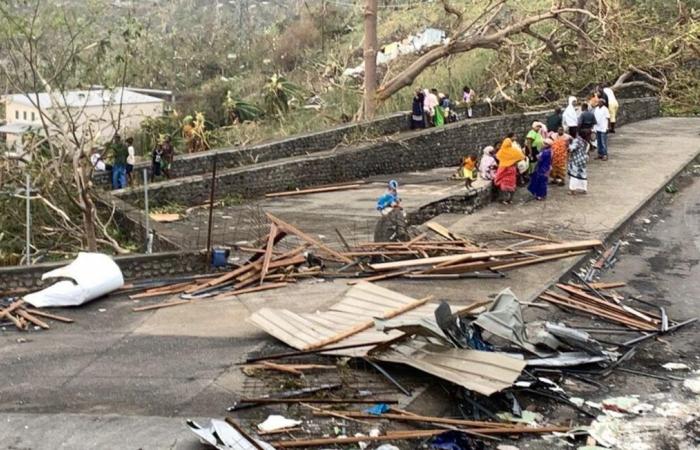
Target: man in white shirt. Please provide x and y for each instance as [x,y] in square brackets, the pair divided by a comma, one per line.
[602,118]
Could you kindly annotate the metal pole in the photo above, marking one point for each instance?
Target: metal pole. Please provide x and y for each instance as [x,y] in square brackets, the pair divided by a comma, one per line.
[211,207]
[145,203]
[27,190]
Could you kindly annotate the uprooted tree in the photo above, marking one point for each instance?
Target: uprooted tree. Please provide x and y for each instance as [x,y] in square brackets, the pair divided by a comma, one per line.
[570,45]
[45,49]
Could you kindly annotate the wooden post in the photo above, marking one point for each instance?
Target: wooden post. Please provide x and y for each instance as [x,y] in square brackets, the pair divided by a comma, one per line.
[211,208]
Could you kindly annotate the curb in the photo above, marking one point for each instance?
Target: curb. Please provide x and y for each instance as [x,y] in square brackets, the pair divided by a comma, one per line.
[619,228]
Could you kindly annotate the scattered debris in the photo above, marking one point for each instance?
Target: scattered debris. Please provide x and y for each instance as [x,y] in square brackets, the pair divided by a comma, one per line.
[675,366]
[274,423]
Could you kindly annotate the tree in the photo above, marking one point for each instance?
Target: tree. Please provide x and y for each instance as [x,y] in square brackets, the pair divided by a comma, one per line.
[493,28]
[370,59]
[47,50]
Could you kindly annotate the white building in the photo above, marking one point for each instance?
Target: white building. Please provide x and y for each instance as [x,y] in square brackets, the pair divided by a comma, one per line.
[97,112]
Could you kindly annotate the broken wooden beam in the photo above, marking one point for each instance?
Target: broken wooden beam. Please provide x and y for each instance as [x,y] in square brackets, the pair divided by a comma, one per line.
[291,229]
[160,305]
[531,236]
[340,187]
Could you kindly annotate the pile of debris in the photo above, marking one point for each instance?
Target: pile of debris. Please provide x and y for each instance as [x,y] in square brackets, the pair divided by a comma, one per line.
[445,255]
[18,314]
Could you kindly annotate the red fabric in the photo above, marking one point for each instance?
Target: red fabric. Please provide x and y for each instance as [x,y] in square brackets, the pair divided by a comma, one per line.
[506,178]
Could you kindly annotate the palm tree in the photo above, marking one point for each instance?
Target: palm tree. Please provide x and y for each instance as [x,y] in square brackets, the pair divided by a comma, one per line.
[240,111]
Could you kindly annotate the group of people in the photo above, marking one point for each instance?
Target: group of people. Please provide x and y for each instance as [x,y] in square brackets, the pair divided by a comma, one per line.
[122,157]
[434,109]
[551,151]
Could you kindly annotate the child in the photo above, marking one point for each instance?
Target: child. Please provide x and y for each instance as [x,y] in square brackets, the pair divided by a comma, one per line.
[468,171]
[390,199]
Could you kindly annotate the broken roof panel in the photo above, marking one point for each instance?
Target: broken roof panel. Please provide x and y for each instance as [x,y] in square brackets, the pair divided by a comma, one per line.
[361,304]
[479,371]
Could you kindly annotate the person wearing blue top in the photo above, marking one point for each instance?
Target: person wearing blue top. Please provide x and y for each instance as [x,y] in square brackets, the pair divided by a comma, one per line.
[389,199]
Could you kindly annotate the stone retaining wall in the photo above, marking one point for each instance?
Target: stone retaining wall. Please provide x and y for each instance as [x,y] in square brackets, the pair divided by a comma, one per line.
[199,163]
[419,150]
[134,267]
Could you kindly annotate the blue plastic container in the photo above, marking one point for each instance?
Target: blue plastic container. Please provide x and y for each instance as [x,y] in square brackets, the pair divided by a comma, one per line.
[219,257]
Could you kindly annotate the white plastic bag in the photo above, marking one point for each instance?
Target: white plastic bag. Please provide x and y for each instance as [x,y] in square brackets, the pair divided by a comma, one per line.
[89,276]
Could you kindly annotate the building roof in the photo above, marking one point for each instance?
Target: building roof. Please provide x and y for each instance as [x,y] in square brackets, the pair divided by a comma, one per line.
[17,127]
[80,99]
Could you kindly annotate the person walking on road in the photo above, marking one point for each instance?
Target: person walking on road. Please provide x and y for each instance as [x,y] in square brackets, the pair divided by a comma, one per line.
[602,116]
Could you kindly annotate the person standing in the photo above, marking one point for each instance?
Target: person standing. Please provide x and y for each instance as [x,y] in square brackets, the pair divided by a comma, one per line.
[554,120]
[468,98]
[156,161]
[168,156]
[429,105]
[119,155]
[533,143]
[417,111]
[602,116]
[613,106]
[540,177]
[130,159]
[578,164]
[560,153]
[507,174]
[570,118]
[586,120]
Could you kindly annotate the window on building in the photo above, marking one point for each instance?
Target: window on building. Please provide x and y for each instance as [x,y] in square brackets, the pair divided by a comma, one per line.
[17,115]
[33,117]
[24,115]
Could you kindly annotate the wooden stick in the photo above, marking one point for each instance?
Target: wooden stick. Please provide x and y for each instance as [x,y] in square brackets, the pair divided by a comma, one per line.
[283,430]
[290,229]
[350,440]
[382,276]
[300,367]
[268,252]
[531,236]
[336,415]
[419,418]
[264,287]
[32,319]
[166,290]
[339,187]
[159,305]
[339,401]
[13,306]
[365,325]
[36,312]
[574,292]
[541,259]
[281,368]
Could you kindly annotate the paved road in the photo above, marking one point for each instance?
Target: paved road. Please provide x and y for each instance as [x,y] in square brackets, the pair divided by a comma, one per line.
[118,379]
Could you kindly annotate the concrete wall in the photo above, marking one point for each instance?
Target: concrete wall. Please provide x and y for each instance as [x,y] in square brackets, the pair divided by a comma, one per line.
[421,150]
[134,267]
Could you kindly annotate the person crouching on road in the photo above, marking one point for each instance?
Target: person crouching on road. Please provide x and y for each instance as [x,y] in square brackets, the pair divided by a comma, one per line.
[488,164]
[390,199]
[507,174]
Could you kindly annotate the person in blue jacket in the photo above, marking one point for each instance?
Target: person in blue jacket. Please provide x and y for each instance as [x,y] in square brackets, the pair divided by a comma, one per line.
[389,199]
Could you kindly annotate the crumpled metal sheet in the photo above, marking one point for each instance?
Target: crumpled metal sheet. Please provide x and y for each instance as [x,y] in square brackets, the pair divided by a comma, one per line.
[569,359]
[575,338]
[479,371]
[505,320]
[223,436]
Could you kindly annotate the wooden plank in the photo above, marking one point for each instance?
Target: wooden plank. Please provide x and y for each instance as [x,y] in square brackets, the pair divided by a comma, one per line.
[291,229]
[36,312]
[383,276]
[420,434]
[539,260]
[282,368]
[442,231]
[419,418]
[474,256]
[314,190]
[365,325]
[581,295]
[416,239]
[531,236]
[11,308]
[160,305]
[165,217]
[32,319]
[610,285]
[264,287]
[267,257]
[164,290]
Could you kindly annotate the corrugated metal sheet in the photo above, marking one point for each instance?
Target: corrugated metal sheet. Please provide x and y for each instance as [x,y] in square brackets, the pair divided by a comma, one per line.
[479,371]
[362,303]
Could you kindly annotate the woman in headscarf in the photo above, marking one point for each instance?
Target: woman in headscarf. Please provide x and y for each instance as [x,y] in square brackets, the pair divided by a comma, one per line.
[507,174]
[578,163]
[613,106]
[488,164]
[540,177]
[534,141]
[560,155]
[570,118]
[418,113]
